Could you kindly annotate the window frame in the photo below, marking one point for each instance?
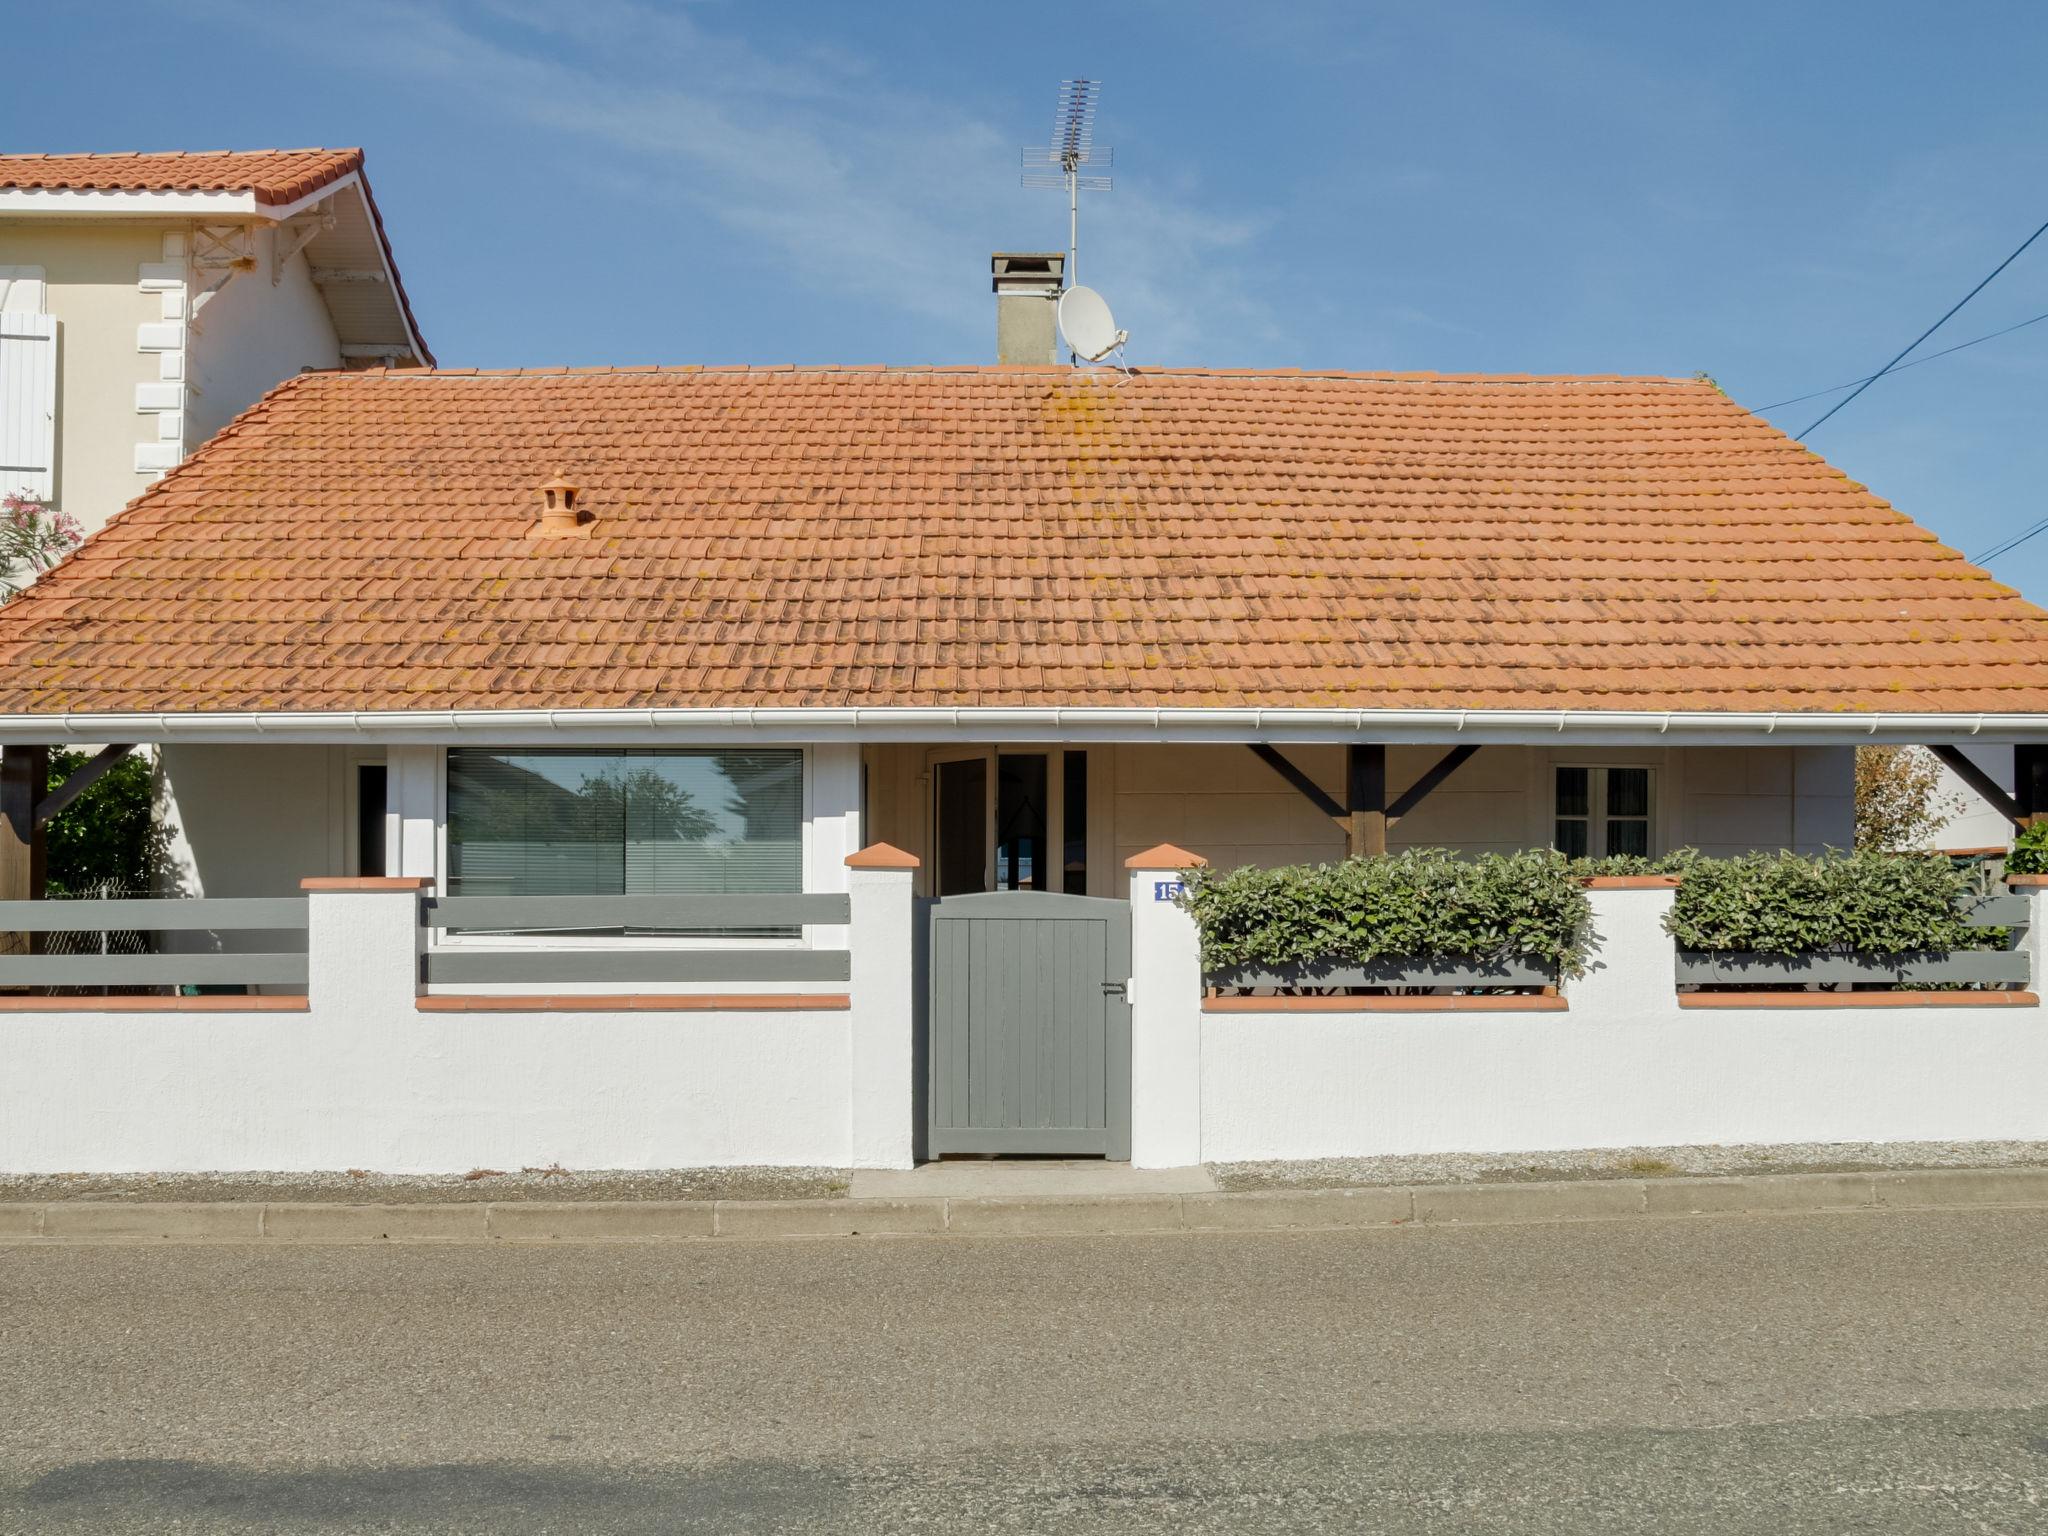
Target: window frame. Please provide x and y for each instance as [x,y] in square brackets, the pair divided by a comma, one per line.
[1596,816]
[441,938]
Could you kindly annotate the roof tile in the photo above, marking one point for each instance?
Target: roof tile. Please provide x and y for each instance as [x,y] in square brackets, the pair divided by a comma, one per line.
[1014,536]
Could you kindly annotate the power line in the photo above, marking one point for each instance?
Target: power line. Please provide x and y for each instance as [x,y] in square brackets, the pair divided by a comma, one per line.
[1874,377]
[2011,544]
[1959,303]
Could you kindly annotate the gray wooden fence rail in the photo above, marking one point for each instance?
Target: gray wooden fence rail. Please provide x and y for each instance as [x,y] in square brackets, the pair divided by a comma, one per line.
[1445,972]
[268,914]
[2011,966]
[653,960]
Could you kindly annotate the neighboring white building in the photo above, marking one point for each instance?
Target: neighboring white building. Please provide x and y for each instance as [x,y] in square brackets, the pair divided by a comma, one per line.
[147,299]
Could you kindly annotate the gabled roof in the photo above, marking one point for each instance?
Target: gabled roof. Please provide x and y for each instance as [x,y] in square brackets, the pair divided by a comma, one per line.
[1014,537]
[273,175]
[251,185]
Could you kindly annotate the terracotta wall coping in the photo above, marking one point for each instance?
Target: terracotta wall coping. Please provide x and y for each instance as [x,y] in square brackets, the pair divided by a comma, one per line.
[1165,856]
[639,1002]
[222,1003]
[2026,882]
[1522,1004]
[1858,1000]
[1972,853]
[1631,882]
[367,883]
[882,856]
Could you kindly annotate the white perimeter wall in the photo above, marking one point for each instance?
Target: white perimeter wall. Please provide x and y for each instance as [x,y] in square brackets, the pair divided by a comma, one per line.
[364,1078]
[1625,1066]
[406,1092]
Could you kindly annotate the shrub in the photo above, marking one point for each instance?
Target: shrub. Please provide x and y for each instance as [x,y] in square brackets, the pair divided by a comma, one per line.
[1790,904]
[32,539]
[105,840]
[2029,854]
[1418,904]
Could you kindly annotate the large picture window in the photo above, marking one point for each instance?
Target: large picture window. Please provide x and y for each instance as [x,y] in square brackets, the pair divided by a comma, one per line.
[545,822]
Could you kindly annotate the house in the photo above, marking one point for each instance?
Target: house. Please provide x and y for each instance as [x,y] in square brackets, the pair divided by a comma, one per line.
[1017,622]
[146,299]
[618,718]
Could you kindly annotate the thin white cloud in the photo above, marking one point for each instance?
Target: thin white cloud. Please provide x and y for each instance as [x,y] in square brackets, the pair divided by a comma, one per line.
[850,183]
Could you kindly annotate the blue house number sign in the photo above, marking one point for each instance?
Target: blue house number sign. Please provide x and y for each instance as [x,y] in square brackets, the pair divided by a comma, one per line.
[1167,890]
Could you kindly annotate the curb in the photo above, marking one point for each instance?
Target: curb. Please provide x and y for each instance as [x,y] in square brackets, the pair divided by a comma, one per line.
[44,1223]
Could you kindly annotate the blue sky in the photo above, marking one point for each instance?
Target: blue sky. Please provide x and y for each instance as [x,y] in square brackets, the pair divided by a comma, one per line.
[1780,195]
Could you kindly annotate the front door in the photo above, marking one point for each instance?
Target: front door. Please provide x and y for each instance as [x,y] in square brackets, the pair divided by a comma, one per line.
[1009,819]
[1030,1045]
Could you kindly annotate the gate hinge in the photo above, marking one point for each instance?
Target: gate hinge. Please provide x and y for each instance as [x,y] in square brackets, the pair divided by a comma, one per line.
[1113,989]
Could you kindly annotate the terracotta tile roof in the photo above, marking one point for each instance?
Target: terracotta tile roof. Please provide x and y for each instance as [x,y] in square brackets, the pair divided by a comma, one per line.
[1014,536]
[274,175]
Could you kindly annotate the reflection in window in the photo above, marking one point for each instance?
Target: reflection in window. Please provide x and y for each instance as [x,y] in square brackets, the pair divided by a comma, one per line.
[1020,821]
[1602,812]
[542,822]
[1074,820]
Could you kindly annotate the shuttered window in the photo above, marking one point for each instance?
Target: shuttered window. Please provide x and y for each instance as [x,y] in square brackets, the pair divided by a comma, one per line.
[28,404]
[525,822]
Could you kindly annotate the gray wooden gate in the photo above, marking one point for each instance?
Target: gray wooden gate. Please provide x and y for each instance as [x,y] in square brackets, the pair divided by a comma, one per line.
[1030,1043]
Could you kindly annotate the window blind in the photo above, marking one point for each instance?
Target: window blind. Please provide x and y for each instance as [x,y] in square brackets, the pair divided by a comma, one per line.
[548,822]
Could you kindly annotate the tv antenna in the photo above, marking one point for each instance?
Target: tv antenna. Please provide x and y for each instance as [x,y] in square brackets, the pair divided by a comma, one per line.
[1072,160]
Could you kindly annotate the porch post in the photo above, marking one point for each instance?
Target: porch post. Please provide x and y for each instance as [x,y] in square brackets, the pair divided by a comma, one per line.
[1166,1014]
[1365,798]
[24,772]
[884,1012]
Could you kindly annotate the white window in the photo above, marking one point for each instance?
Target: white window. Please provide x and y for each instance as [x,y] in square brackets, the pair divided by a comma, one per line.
[1602,812]
[28,404]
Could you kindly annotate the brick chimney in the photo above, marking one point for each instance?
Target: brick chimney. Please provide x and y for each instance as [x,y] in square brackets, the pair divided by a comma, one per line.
[1027,288]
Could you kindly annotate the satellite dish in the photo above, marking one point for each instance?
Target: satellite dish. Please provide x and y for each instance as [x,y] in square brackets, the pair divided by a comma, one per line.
[1087,325]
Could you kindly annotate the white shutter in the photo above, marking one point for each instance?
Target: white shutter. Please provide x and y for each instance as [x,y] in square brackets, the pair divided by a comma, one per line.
[28,403]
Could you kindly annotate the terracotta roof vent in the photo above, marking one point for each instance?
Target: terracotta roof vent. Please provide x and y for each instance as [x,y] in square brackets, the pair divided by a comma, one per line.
[560,517]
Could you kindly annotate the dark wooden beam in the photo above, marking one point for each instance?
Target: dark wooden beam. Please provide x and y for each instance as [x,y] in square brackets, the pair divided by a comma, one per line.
[2030,781]
[1420,790]
[1982,782]
[1365,798]
[86,775]
[23,774]
[1317,795]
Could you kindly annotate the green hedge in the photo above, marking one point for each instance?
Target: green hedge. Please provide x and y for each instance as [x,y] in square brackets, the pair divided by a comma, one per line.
[2029,854]
[1789,904]
[1433,904]
[1419,904]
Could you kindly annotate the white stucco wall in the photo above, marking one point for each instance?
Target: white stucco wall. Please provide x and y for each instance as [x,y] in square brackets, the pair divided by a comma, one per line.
[251,335]
[1975,824]
[363,1079]
[1623,1066]
[250,820]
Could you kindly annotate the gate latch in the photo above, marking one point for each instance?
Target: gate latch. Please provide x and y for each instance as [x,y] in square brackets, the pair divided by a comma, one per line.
[1112,989]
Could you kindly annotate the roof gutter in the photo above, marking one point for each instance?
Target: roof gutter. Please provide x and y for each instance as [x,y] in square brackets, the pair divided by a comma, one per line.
[512,727]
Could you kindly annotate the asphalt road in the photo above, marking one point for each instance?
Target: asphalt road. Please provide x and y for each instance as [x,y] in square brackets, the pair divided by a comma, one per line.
[1867,1372]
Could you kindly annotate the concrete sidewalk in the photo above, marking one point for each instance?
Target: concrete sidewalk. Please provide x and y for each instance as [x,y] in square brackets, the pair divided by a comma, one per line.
[966,1214]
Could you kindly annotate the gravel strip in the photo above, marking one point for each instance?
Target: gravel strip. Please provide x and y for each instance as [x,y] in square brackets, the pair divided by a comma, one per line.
[1629,1163]
[358,1187]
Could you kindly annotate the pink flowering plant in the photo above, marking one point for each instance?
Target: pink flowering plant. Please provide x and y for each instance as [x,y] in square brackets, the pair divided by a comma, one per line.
[32,539]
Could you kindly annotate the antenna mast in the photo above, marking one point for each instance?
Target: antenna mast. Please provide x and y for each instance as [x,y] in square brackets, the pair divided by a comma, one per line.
[1073,160]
